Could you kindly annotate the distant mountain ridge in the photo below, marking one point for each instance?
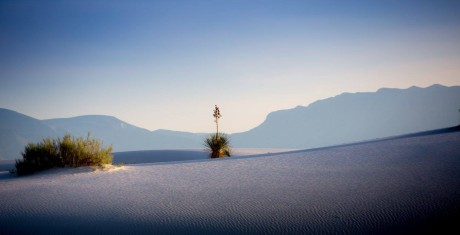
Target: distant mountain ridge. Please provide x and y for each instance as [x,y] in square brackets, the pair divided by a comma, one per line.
[16,130]
[345,118]
[122,135]
[356,117]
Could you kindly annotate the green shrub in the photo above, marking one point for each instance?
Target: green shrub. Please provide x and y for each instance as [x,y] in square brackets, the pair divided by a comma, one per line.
[65,152]
[218,146]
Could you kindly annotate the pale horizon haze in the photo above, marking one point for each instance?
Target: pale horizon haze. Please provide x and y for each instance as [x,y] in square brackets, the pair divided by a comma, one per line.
[165,64]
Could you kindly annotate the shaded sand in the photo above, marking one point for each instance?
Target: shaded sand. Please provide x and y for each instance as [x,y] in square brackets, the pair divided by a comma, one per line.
[402,185]
[151,156]
[6,165]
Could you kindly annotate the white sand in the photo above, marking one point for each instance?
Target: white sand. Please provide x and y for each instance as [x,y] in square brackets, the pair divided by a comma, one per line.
[383,187]
[152,156]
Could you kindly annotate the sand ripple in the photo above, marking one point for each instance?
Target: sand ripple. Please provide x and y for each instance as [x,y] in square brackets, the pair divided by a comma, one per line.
[392,186]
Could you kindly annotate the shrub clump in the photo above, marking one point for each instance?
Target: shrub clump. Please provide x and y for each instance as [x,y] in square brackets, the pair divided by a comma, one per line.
[65,152]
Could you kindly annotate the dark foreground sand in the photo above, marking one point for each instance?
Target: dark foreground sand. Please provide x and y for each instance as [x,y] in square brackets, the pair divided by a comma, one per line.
[392,186]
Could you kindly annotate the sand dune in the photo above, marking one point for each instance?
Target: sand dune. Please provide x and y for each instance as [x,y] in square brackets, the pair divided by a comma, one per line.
[400,185]
[177,155]
[152,156]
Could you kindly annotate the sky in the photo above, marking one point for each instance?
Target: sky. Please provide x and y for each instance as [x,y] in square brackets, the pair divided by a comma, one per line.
[165,64]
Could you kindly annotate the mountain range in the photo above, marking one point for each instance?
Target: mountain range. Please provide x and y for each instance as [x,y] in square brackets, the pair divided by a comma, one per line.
[356,117]
[348,117]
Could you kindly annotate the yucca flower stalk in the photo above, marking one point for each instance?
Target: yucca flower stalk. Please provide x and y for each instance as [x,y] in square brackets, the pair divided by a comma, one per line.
[216,119]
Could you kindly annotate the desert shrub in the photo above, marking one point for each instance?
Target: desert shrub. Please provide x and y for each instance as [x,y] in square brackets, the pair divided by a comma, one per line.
[65,152]
[218,145]
[24,167]
[83,152]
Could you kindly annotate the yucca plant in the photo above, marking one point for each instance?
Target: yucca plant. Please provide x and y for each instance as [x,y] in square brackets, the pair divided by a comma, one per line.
[218,145]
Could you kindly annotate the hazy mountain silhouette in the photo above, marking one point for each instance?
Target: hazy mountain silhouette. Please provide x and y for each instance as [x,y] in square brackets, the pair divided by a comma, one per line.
[341,119]
[16,130]
[109,129]
[355,117]
[123,136]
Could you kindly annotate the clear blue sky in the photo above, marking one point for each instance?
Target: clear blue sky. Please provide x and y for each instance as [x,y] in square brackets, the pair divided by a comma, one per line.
[164,64]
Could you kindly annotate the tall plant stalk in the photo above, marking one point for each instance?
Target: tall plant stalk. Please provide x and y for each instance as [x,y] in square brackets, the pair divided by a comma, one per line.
[216,119]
